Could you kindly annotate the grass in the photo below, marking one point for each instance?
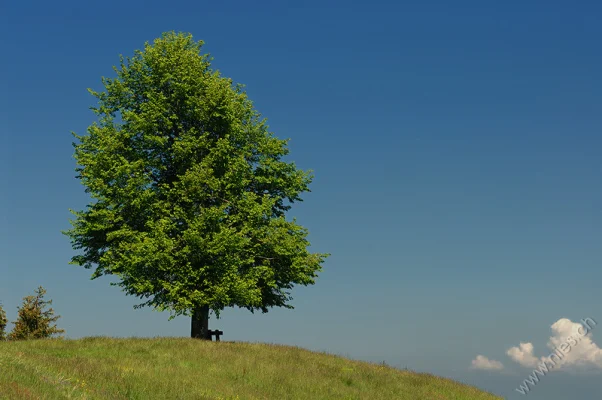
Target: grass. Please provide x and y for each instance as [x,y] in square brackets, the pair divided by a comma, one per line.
[182,368]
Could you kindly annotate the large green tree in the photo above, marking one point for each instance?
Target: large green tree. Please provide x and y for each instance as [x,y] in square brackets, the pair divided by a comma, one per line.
[189,190]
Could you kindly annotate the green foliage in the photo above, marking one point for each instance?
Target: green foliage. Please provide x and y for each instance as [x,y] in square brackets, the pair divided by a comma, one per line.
[3,323]
[190,190]
[34,321]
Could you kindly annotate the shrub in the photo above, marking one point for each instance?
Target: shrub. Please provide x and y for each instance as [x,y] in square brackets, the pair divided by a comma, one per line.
[3,323]
[33,321]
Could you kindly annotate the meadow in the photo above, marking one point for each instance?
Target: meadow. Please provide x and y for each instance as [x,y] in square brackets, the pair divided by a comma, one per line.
[184,368]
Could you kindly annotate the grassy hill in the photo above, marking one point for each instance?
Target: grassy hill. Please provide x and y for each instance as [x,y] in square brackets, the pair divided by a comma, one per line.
[181,368]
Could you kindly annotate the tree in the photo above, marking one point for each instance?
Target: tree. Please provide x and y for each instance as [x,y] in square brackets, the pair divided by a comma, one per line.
[3,323]
[33,321]
[190,190]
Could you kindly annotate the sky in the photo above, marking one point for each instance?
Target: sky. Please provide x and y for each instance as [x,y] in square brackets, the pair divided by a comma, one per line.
[456,152]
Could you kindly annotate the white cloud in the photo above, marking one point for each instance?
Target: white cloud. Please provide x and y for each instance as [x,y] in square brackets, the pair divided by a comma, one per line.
[570,345]
[523,355]
[482,362]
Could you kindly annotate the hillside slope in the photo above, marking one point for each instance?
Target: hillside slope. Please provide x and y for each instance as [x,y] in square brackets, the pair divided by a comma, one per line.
[181,368]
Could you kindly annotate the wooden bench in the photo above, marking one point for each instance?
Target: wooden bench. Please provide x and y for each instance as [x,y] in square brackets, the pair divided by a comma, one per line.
[217,334]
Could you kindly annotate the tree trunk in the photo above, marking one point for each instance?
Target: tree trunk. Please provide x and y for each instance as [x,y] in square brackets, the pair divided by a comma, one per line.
[200,323]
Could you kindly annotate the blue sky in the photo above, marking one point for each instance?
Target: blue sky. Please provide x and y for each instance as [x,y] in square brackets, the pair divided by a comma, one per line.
[456,148]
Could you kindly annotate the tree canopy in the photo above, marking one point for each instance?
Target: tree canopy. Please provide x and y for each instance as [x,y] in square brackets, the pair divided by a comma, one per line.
[189,189]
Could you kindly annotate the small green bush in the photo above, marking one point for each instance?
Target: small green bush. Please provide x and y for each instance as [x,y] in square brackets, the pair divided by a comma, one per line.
[34,321]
